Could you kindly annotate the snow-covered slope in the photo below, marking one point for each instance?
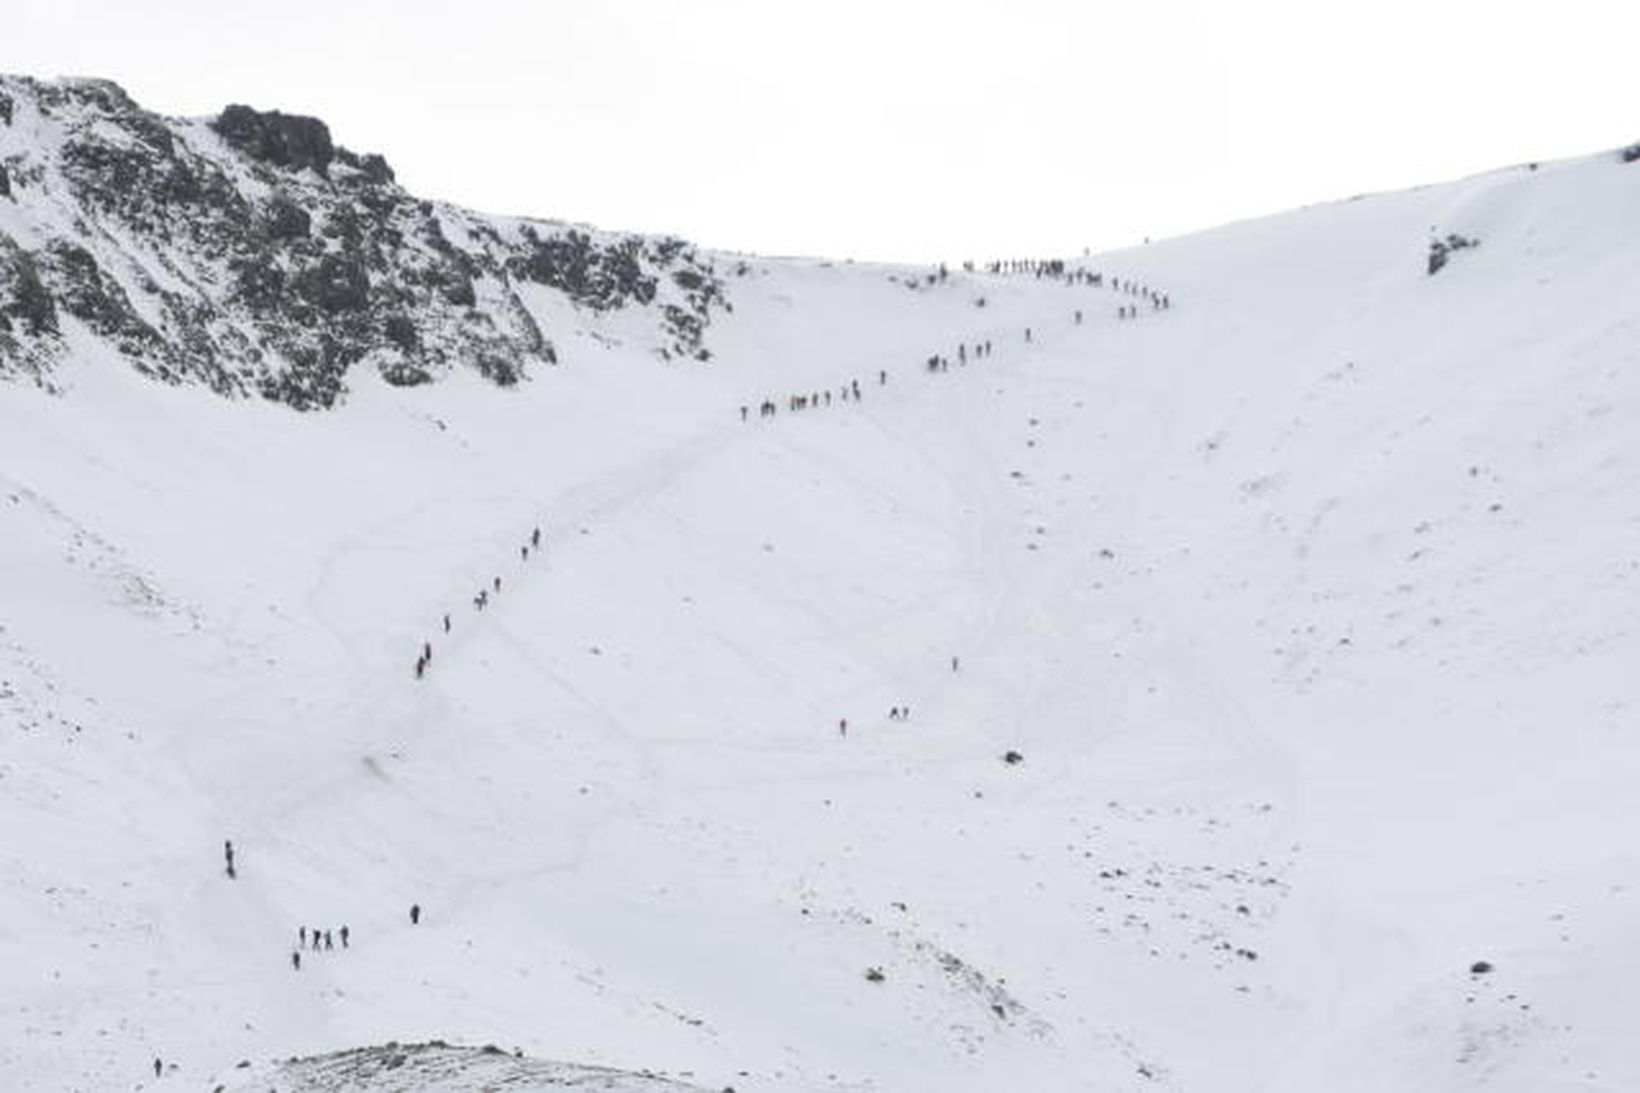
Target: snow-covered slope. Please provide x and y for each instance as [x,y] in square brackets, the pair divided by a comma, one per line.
[1306,606]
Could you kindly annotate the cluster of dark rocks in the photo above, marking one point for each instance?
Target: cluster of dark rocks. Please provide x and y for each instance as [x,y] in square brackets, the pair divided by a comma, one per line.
[253,254]
[1440,250]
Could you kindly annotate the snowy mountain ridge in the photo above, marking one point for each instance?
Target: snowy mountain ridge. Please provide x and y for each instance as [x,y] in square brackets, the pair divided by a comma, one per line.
[989,681]
[250,254]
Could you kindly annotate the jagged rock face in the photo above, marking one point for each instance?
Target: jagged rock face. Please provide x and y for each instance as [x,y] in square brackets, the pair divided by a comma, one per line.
[252,254]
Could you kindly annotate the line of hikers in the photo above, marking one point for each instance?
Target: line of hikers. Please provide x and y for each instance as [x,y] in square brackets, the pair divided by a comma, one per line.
[936,362]
[481,599]
[849,391]
[1159,301]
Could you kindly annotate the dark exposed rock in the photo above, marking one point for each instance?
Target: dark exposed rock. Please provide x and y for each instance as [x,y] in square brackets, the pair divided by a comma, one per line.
[5,182]
[23,297]
[404,374]
[98,300]
[285,220]
[371,166]
[1441,249]
[598,277]
[338,283]
[283,140]
[402,332]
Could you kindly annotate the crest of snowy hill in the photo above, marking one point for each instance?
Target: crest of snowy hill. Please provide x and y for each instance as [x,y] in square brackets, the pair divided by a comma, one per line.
[437,1067]
[252,254]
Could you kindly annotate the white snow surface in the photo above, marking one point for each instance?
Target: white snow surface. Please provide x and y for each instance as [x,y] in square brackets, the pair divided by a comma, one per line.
[1309,603]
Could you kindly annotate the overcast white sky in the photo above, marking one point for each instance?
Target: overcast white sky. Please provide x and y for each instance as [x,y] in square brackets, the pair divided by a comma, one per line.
[884,128]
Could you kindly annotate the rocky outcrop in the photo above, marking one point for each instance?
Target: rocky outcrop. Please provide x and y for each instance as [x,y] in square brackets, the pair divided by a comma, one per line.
[253,254]
[283,140]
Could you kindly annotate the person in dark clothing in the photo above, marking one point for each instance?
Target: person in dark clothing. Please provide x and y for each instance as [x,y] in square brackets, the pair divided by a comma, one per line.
[301,936]
[415,913]
[343,932]
[535,538]
[296,960]
[158,1066]
[328,943]
[227,850]
[446,624]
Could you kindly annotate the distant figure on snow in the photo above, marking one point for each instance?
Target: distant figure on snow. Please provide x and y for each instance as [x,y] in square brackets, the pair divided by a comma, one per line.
[446,624]
[158,1066]
[842,727]
[343,932]
[296,960]
[415,913]
[328,943]
[227,849]
[301,936]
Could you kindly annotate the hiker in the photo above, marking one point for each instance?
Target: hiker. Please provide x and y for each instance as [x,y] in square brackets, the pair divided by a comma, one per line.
[421,667]
[296,960]
[158,1066]
[524,553]
[498,584]
[343,932]
[328,943]
[427,651]
[882,377]
[842,727]
[301,936]
[743,413]
[953,664]
[227,849]
[446,624]
[415,914]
